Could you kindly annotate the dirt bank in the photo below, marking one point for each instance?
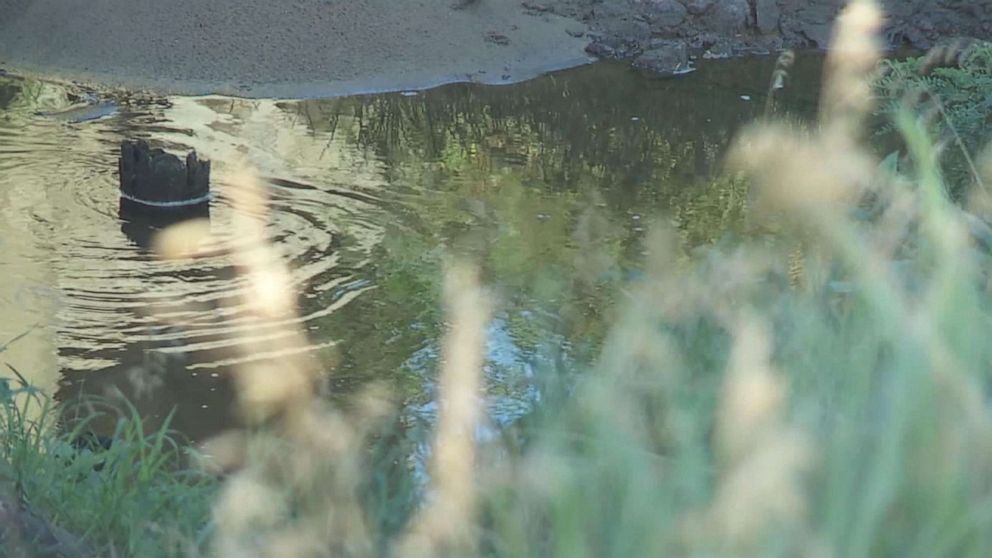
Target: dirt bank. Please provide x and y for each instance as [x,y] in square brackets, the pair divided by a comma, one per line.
[659,31]
[312,48]
[284,48]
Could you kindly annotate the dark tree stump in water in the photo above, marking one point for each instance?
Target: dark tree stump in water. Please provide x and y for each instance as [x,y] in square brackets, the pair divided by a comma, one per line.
[158,189]
[157,179]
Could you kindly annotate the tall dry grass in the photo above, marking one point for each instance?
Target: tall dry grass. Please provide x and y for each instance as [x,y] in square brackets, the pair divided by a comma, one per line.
[741,406]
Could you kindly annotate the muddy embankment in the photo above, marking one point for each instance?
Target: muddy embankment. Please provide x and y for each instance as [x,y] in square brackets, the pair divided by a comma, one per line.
[316,48]
[281,48]
[657,34]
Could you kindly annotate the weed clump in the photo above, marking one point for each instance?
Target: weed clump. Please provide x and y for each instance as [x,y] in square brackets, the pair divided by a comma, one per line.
[65,492]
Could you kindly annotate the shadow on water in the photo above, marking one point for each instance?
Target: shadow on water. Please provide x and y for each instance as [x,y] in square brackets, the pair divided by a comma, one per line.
[549,185]
[8,91]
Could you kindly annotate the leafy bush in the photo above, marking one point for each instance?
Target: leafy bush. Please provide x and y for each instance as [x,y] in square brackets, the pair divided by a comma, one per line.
[952,86]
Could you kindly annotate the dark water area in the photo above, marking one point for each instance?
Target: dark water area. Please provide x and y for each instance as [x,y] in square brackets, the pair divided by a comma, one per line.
[549,186]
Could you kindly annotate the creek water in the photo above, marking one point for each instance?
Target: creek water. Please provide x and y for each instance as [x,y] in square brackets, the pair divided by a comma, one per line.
[549,186]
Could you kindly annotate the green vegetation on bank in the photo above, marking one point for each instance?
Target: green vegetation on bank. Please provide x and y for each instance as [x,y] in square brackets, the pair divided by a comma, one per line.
[819,392]
[62,493]
[952,88]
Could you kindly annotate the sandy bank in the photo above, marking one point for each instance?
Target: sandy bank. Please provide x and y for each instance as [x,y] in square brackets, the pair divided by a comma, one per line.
[283,48]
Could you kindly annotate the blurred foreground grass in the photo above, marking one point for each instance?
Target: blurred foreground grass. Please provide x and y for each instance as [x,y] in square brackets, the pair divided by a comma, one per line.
[820,393]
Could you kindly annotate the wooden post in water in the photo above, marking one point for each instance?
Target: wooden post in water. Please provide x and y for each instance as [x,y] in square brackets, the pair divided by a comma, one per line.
[158,189]
[156,179]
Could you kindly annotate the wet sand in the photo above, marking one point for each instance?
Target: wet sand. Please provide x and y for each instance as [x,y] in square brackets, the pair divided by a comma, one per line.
[283,48]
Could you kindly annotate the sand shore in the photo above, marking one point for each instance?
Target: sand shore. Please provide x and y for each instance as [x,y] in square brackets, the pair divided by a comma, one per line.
[283,48]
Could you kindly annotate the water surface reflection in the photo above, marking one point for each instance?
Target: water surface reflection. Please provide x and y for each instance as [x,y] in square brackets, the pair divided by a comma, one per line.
[550,185]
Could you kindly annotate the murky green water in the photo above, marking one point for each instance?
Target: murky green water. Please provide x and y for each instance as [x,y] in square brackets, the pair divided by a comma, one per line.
[549,186]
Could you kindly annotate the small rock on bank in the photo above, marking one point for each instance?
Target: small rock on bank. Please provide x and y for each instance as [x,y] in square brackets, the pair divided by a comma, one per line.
[665,58]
